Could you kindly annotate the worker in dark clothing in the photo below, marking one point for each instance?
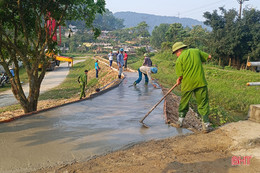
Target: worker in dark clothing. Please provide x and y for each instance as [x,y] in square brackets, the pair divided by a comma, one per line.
[82,80]
[147,61]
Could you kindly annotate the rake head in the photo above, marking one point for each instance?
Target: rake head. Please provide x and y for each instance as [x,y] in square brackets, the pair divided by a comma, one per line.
[144,125]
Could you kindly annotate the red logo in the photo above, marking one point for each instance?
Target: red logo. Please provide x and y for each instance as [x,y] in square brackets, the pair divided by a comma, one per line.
[238,160]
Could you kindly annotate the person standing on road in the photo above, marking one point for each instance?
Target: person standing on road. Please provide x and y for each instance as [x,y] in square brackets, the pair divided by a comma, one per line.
[12,71]
[147,74]
[125,60]
[147,61]
[191,75]
[110,58]
[82,80]
[97,68]
[120,62]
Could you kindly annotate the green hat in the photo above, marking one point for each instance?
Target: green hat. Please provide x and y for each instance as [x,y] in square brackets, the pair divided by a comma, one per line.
[177,46]
[146,54]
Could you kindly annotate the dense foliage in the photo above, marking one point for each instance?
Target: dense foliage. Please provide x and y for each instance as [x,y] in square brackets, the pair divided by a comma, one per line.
[27,29]
[136,34]
[231,41]
[234,38]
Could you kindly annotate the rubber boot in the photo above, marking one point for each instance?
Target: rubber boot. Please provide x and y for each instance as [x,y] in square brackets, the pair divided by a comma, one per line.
[206,127]
[179,122]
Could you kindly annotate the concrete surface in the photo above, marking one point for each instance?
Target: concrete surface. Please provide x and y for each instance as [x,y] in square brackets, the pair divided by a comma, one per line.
[51,80]
[246,138]
[254,113]
[82,130]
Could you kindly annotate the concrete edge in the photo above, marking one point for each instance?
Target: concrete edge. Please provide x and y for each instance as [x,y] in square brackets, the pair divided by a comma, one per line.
[254,113]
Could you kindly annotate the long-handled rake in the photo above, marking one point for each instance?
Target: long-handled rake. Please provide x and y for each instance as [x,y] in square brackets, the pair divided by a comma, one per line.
[141,121]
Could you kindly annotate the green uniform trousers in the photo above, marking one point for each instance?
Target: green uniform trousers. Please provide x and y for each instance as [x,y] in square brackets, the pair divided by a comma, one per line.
[201,95]
[82,90]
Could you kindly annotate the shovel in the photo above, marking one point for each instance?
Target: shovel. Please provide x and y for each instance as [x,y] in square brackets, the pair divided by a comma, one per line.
[141,121]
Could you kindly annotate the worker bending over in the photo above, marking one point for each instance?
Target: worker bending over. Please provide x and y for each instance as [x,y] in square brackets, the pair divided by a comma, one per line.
[147,75]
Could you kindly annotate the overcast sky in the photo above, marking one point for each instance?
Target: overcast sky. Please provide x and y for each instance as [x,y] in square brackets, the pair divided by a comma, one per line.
[178,8]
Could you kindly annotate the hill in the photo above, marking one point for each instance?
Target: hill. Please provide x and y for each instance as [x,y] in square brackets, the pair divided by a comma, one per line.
[131,19]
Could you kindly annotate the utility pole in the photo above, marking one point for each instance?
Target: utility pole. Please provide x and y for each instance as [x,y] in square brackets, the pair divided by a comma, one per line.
[240,9]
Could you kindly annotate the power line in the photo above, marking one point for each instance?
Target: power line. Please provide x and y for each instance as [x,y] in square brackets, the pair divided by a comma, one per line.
[204,6]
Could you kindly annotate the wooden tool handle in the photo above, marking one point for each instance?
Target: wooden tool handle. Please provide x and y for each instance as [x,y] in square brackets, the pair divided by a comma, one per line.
[141,121]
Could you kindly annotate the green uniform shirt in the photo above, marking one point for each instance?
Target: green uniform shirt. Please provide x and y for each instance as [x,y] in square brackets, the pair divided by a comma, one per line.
[83,78]
[189,66]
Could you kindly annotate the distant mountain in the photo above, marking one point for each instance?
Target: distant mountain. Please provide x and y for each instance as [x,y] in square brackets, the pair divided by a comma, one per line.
[132,19]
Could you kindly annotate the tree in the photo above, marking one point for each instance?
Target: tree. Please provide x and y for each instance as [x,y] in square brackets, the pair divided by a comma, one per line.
[198,38]
[141,30]
[138,34]
[25,34]
[159,35]
[140,51]
[251,18]
[234,38]
[166,46]
[176,33]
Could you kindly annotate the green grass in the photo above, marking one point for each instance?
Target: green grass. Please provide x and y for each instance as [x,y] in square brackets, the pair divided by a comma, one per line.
[10,108]
[70,86]
[229,96]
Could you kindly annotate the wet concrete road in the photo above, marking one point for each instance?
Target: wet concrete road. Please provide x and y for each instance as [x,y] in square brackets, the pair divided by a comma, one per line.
[82,130]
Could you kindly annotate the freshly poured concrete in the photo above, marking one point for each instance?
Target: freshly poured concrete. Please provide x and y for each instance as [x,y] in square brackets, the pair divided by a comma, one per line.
[82,130]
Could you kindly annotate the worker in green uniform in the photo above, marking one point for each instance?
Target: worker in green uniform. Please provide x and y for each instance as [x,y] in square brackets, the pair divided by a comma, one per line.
[82,80]
[192,79]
